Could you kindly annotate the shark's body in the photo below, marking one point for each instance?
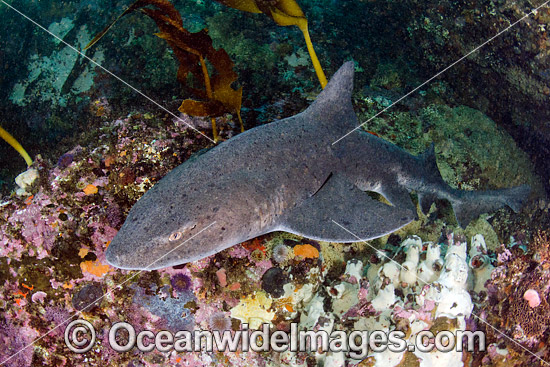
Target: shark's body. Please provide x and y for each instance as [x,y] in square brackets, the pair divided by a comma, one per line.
[288,176]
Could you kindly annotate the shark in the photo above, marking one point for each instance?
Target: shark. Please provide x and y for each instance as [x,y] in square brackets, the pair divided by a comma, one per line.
[289,176]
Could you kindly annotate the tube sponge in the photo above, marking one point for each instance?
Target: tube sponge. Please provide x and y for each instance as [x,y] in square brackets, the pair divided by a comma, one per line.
[15,144]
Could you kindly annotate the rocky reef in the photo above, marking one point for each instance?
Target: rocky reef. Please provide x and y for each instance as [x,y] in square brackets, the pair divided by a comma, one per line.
[54,232]
[517,302]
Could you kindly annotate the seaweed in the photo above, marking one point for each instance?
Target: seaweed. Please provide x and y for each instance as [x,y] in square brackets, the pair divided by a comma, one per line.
[284,13]
[15,144]
[192,50]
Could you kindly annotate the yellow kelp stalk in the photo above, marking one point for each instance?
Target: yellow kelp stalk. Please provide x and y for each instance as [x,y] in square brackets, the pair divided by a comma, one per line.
[15,144]
[284,13]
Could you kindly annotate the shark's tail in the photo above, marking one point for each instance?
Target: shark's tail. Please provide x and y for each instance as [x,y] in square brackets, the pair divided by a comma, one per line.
[468,205]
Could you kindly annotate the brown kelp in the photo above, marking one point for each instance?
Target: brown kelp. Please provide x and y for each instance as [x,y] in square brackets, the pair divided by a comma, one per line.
[193,50]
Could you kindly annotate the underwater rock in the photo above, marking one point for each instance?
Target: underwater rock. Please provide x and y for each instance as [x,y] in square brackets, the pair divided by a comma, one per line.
[47,76]
[517,303]
[45,239]
[328,287]
[52,244]
[88,297]
[473,152]
[273,282]
[510,82]
[15,338]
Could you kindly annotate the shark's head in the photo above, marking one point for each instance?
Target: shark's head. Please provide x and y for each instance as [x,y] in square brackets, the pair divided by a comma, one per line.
[238,190]
[162,231]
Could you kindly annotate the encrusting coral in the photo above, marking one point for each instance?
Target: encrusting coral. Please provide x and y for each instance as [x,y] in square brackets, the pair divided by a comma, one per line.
[52,242]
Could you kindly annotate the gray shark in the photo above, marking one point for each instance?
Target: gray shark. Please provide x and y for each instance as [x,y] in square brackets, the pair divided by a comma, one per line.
[288,176]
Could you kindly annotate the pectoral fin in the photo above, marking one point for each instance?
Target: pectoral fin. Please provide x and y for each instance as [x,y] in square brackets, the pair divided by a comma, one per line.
[342,202]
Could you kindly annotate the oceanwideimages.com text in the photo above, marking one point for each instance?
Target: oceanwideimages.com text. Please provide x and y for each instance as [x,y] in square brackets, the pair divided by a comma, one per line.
[80,338]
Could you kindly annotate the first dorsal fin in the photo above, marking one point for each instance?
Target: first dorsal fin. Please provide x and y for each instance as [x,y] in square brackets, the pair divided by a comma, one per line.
[333,105]
[339,87]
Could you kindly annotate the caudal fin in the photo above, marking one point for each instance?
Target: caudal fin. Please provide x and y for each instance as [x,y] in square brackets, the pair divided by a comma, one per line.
[468,205]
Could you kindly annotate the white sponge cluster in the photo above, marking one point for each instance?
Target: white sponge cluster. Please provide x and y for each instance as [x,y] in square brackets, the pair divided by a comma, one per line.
[425,292]
[427,289]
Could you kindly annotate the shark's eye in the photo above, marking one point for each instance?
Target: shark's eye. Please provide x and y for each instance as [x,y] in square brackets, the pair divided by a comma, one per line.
[175,236]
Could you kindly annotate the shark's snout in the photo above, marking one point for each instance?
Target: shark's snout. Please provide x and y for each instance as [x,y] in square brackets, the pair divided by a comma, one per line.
[112,259]
[127,254]
[116,257]
[130,251]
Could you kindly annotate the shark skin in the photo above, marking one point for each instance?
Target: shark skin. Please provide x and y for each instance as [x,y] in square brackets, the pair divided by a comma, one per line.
[288,176]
